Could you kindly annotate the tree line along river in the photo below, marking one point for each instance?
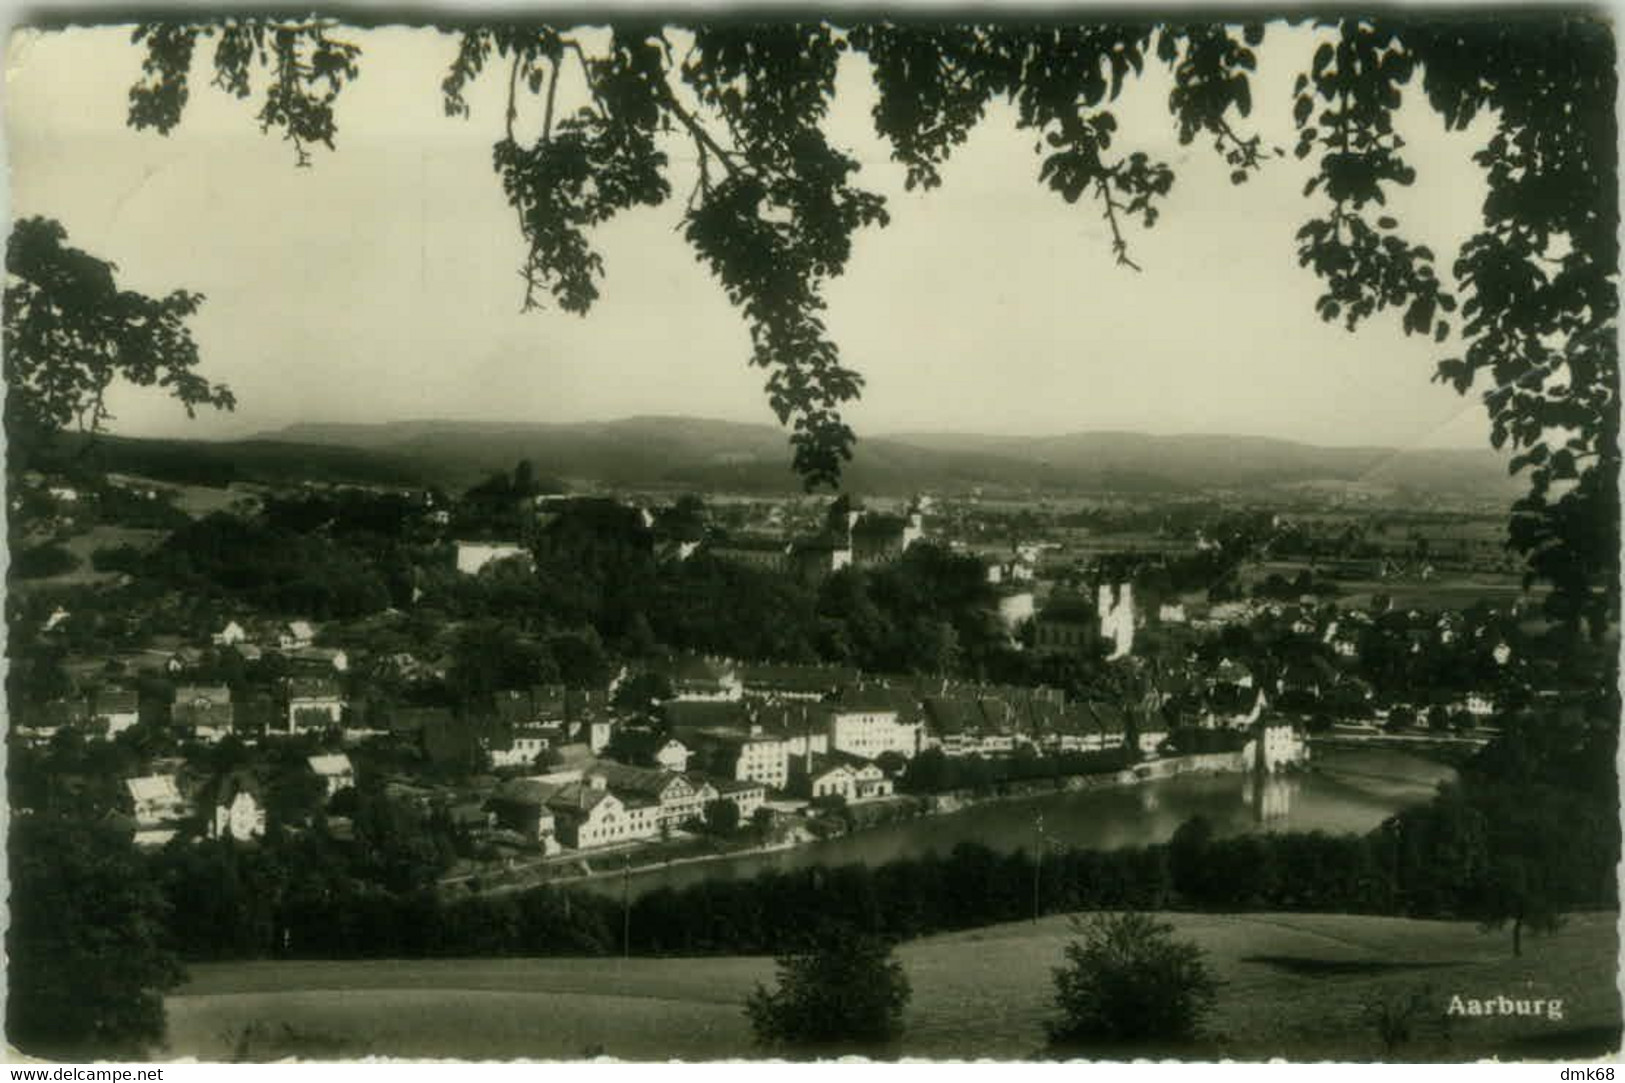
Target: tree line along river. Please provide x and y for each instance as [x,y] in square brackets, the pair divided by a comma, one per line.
[1342,791]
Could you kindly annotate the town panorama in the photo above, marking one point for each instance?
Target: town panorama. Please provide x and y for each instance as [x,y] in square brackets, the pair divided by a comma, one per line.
[1128,655]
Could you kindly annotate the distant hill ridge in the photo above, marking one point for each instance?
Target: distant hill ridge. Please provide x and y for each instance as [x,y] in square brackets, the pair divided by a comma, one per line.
[705,453]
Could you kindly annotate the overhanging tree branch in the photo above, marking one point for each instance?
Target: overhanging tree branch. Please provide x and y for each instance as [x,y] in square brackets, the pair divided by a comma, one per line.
[1550,163]
[702,138]
[1109,209]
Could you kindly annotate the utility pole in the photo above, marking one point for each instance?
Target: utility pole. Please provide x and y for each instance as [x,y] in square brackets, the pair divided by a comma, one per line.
[626,905]
[1038,859]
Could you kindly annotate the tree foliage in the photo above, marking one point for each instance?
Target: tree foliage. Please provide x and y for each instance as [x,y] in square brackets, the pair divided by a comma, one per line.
[70,332]
[42,562]
[1529,833]
[87,965]
[845,995]
[268,566]
[1129,985]
[774,207]
[1398,1014]
[722,816]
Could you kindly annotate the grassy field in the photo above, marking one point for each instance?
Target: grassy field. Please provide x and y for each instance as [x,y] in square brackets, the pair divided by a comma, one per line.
[201,500]
[84,545]
[1449,589]
[1296,986]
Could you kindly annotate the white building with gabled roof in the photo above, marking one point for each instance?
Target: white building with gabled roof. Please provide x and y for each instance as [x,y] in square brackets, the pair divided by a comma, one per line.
[334,769]
[231,635]
[472,556]
[157,807]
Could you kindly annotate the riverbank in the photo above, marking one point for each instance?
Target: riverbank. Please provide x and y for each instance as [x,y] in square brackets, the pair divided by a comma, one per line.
[869,816]
[1211,763]
[1343,792]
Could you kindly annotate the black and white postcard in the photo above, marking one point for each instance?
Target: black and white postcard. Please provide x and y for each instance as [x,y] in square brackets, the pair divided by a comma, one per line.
[776,534]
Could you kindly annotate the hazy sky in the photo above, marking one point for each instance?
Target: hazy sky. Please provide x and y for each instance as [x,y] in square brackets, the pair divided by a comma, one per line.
[382,282]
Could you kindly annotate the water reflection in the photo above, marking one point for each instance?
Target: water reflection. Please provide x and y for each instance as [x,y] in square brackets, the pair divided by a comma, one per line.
[1344,791]
[1269,796]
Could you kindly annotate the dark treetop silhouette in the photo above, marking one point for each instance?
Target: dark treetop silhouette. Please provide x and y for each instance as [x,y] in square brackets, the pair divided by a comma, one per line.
[70,331]
[775,205]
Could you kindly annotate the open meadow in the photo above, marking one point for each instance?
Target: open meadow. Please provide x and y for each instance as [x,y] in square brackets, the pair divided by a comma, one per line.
[83,546]
[1449,588]
[1294,984]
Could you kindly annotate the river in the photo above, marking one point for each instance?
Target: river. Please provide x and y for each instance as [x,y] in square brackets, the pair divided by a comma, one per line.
[1346,790]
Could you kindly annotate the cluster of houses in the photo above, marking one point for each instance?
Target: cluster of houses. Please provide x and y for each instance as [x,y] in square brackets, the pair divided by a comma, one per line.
[852,536]
[801,729]
[569,769]
[595,804]
[165,804]
[204,709]
[294,640]
[856,717]
[203,712]
[109,712]
[1327,641]
[723,730]
[749,734]
[608,803]
[814,731]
